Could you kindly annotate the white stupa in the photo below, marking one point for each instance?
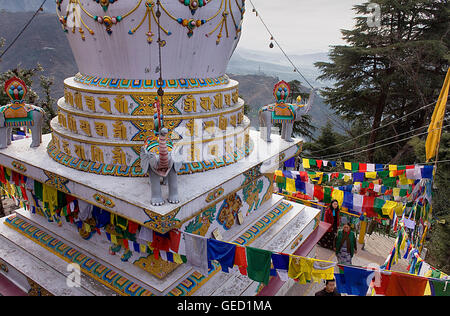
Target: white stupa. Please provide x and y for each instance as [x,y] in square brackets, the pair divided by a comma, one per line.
[93,155]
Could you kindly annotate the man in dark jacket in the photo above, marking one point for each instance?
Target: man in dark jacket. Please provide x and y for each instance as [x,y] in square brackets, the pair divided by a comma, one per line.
[329,290]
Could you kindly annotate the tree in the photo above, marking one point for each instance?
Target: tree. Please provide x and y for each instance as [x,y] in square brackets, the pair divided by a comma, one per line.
[326,142]
[384,73]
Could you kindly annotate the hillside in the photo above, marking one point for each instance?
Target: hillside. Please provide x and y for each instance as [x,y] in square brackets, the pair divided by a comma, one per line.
[26,5]
[44,42]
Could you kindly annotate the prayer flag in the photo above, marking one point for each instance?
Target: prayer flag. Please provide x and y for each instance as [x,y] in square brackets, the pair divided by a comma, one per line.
[435,127]
[306,163]
[258,262]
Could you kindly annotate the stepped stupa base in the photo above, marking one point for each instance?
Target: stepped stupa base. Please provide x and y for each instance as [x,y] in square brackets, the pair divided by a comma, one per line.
[35,249]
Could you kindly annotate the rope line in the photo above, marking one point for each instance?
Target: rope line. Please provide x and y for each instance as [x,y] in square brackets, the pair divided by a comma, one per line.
[23,29]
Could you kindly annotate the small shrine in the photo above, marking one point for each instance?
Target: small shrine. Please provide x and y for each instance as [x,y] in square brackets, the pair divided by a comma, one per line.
[150,147]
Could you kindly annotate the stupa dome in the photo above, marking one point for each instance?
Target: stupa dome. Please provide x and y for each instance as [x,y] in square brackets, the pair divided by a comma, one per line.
[118,39]
[108,107]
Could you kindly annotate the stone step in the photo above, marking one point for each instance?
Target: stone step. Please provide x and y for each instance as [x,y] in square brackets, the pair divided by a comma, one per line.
[91,247]
[280,237]
[26,259]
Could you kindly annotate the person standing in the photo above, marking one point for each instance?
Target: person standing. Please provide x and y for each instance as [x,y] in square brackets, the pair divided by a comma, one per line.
[329,290]
[331,217]
[345,244]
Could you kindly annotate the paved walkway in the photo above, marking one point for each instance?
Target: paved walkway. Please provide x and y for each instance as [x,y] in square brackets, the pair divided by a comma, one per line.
[376,249]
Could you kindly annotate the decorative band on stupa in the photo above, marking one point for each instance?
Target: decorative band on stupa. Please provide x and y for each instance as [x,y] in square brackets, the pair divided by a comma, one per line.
[149,84]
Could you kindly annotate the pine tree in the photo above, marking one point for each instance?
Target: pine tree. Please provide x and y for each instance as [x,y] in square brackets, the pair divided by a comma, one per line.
[388,71]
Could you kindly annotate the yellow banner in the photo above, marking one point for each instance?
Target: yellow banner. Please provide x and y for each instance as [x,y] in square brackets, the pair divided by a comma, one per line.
[435,128]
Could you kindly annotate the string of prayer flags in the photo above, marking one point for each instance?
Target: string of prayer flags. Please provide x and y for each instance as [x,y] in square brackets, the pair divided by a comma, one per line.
[412,171]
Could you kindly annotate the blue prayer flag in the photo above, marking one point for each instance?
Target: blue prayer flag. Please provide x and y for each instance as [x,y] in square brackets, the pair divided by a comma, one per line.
[427,172]
[290,163]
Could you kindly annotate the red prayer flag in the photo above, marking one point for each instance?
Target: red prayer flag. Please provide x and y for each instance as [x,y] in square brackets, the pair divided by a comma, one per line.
[367,207]
[174,238]
[381,285]
[406,285]
[24,193]
[160,242]
[304,176]
[132,227]
[362,167]
[318,192]
[240,259]
[319,163]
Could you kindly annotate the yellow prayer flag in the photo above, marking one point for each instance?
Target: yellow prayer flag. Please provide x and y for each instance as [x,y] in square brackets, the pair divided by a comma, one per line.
[392,167]
[403,180]
[435,127]
[306,163]
[396,192]
[177,258]
[338,195]
[290,185]
[388,207]
[403,243]
[143,248]
[279,173]
[347,165]
[399,209]
[114,239]
[371,175]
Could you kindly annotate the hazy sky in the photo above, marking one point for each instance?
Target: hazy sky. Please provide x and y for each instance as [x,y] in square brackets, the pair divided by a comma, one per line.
[300,26]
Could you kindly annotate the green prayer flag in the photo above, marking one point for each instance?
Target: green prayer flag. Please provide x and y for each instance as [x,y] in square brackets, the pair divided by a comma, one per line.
[365,185]
[355,166]
[183,258]
[19,192]
[281,182]
[401,167]
[383,174]
[122,222]
[326,195]
[378,205]
[312,162]
[38,190]
[441,288]
[390,182]
[258,264]
[62,201]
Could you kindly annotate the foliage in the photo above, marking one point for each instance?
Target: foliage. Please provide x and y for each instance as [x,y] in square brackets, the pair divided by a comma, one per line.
[384,73]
